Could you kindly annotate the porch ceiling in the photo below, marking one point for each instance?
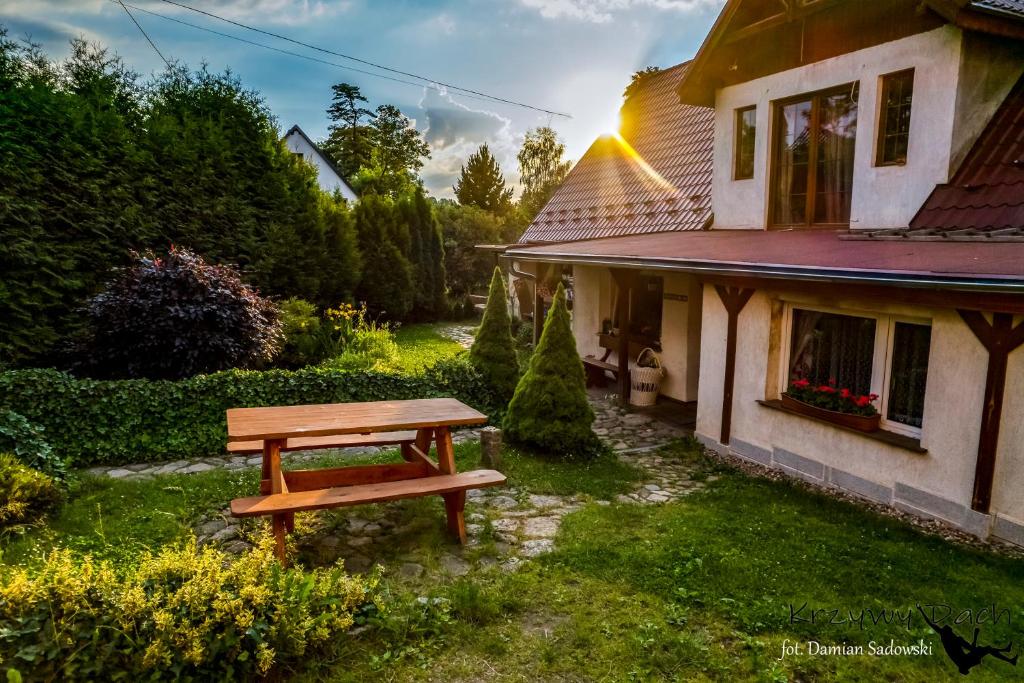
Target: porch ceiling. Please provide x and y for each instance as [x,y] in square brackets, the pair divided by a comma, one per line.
[807,255]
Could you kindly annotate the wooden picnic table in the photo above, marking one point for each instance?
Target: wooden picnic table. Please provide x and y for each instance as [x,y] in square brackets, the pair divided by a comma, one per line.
[414,425]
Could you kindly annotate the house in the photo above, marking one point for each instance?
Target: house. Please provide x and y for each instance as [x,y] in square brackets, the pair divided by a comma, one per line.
[327,174]
[864,163]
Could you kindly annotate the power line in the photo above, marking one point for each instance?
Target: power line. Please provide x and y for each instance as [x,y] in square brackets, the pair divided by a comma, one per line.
[293,54]
[139,26]
[363,61]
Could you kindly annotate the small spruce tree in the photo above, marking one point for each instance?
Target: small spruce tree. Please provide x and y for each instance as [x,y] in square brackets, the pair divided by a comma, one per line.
[549,411]
[494,352]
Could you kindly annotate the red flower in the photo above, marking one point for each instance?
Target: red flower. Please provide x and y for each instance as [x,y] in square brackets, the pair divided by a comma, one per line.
[832,381]
[862,401]
[845,393]
[827,389]
[801,383]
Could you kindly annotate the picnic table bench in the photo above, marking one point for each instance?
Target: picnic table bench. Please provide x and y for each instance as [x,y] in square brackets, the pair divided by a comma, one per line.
[412,425]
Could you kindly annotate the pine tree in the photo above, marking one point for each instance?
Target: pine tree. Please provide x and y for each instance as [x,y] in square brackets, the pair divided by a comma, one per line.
[348,141]
[549,411]
[481,183]
[493,351]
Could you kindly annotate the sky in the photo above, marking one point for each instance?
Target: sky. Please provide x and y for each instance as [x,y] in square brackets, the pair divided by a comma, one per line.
[572,56]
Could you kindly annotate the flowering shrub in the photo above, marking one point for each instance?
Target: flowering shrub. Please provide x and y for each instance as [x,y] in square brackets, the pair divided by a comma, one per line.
[181,614]
[830,397]
[25,494]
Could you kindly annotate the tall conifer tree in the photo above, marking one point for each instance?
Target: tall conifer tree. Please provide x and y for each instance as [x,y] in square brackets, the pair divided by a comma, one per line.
[481,183]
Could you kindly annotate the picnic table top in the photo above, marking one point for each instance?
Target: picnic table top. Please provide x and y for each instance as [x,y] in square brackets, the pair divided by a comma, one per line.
[283,422]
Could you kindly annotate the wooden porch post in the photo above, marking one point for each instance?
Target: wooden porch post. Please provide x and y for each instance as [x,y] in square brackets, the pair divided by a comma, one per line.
[999,338]
[624,282]
[734,299]
[538,302]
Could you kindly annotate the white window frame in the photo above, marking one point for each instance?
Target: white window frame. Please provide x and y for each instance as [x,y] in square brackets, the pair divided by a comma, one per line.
[881,361]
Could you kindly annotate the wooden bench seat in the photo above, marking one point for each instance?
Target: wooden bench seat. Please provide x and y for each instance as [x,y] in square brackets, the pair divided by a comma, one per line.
[309,443]
[596,368]
[285,503]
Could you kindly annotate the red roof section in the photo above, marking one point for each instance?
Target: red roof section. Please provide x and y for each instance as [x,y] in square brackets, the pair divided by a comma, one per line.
[986,195]
[664,186]
[797,251]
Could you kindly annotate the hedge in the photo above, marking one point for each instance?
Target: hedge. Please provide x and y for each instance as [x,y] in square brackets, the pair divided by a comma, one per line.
[92,422]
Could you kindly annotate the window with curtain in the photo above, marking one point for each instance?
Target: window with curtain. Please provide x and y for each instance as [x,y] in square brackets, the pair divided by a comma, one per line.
[908,373]
[813,145]
[828,347]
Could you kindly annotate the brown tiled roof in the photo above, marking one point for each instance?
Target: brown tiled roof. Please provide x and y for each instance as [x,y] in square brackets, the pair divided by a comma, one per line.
[609,192]
[1001,6]
[985,198]
[801,254]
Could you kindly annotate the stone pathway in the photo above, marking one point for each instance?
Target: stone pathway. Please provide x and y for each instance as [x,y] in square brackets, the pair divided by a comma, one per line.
[463,334]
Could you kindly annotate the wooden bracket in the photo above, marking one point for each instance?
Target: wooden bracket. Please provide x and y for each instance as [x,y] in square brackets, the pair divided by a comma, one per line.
[734,299]
[999,338]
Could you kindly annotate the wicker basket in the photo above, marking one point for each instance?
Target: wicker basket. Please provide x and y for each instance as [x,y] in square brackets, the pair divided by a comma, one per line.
[644,382]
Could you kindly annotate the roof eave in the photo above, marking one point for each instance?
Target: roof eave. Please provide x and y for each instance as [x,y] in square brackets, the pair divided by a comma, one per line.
[913,280]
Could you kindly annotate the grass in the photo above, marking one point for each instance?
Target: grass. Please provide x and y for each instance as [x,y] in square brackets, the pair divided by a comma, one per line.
[700,589]
[422,345]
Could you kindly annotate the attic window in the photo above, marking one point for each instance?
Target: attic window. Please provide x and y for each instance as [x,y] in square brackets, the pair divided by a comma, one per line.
[894,118]
[743,164]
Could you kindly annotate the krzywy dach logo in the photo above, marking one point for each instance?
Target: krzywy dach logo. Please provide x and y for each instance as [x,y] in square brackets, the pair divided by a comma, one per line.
[943,620]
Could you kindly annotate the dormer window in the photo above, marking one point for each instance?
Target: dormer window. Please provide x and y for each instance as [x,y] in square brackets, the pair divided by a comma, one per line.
[897,91]
[812,161]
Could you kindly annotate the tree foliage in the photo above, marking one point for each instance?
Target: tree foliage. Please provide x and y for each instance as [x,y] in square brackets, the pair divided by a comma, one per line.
[637,80]
[387,282]
[481,183]
[426,254]
[177,316]
[549,411]
[463,227]
[95,164]
[541,169]
[494,351]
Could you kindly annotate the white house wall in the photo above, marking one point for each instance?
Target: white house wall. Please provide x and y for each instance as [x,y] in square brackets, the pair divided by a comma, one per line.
[328,180]
[883,197]
[937,483]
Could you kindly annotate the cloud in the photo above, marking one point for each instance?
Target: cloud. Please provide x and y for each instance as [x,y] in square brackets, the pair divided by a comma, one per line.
[602,11]
[454,131]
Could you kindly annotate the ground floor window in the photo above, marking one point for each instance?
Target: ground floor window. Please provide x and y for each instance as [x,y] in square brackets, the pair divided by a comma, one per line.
[867,354]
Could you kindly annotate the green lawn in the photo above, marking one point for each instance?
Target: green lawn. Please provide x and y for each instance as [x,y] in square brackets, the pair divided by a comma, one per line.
[699,589]
[422,345]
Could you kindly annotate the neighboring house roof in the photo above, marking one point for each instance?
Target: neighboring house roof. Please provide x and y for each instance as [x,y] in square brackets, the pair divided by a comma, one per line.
[346,189]
[662,184]
[985,198]
[802,254]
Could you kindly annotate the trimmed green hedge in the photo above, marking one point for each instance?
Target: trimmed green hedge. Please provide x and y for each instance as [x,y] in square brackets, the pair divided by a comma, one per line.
[110,422]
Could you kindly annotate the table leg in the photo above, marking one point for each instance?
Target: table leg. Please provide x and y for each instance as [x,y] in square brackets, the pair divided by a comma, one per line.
[445,450]
[272,471]
[455,507]
[454,503]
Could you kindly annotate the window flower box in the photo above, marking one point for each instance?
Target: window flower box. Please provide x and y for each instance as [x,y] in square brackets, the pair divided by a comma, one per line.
[839,406]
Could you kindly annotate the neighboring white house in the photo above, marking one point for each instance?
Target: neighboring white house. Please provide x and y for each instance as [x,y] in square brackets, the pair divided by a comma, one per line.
[866,177]
[327,173]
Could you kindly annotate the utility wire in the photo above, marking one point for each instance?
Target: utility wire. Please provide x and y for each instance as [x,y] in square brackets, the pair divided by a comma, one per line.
[363,61]
[139,26]
[430,86]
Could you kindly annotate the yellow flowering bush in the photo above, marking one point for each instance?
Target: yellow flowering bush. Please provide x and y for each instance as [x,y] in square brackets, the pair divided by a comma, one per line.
[25,494]
[185,613]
